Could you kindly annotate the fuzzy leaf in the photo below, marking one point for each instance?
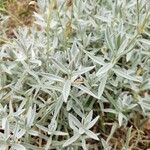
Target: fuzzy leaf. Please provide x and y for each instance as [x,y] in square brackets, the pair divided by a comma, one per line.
[71,140]
[66,90]
[125,75]
[104,69]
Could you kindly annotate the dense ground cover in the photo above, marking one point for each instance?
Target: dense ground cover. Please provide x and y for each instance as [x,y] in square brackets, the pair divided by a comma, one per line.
[77,76]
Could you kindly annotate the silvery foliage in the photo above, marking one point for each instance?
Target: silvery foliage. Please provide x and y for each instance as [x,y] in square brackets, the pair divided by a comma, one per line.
[52,82]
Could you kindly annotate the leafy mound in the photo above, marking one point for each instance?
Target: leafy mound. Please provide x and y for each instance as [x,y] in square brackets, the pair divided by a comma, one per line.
[77,76]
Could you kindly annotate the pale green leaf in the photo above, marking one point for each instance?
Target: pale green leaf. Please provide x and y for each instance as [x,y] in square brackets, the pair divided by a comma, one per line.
[104,69]
[66,90]
[126,75]
[71,140]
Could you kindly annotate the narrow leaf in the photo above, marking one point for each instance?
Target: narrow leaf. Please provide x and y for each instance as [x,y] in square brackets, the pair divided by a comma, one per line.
[104,69]
[71,140]
[144,41]
[92,135]
[85,89]
[82,71]
[123,46]
[108,39]
[102,86]
[60,66]
[125,75]
[18,147]
[66,90]
[74,123]
[88,118]
[92,123]
[96,59]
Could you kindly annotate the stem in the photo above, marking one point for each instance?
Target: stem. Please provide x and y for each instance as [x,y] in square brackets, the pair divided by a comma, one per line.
[138,17]
[48,29]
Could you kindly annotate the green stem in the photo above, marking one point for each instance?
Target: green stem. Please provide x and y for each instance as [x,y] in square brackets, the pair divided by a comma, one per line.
[138,17]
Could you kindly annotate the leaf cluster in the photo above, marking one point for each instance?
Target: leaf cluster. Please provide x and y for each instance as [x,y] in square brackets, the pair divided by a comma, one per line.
[87,60]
